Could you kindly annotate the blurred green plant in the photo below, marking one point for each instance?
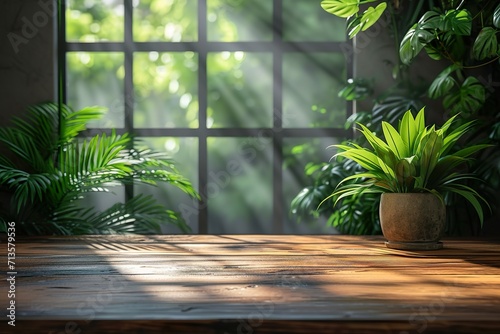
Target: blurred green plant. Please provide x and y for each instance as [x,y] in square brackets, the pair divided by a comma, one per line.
[47,171]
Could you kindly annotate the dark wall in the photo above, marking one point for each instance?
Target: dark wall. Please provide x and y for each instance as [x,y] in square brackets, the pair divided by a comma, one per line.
[26,55]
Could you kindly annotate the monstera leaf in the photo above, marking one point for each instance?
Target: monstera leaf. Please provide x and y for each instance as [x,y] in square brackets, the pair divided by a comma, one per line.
[349,9]
[341,8]
[496,17]
[443,83]
[369,18]
[469,98]
[486,44]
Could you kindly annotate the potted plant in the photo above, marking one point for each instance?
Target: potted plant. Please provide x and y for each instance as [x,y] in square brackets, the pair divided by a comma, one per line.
[464,37]
[412,168]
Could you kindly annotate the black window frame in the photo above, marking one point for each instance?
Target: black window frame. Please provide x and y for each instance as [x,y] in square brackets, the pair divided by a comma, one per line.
[278,47]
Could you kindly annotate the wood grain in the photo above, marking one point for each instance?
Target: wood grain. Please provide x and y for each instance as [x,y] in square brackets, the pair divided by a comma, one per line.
[252,284]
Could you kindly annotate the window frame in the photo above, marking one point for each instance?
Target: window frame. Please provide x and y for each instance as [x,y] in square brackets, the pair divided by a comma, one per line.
[277,133]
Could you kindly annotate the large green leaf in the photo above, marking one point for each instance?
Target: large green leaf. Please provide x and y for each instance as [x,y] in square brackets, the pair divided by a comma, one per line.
[413,42]
[486,44]
[372,14]
[430,21]
[470,150]
[422,33]
[469,99]
[74,122]
[394,141]
[446,126]
[443,83]
[381,148]
[373,140]
[496,17]
[364,157]
[420,121]
[430,147]
[451,139]
[433,52]
[469,194]
[356,89]
[356,23]
[443,168]
[411,129]
[408,131]
[410,47]
[341,8]
[405,173]
[457,21]
[453,46]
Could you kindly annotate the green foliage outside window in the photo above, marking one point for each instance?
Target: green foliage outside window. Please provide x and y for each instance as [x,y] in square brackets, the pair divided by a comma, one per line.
[239,86]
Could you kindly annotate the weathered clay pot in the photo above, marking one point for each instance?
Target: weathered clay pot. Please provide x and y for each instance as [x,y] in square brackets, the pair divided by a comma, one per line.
[413,221]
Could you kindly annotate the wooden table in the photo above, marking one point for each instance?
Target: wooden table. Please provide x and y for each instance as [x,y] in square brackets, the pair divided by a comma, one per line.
[247,284]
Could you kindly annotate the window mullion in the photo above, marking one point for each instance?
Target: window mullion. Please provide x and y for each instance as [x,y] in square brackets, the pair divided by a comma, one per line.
[128,89]
[278,210]
[202,115]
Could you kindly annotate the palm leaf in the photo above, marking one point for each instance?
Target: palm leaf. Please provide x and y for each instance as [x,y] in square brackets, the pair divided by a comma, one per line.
[60,170]
[74,122]
[142,214]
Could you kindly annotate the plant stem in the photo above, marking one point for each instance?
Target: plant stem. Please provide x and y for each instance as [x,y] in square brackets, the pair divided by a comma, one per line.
[483,64]
[396,42]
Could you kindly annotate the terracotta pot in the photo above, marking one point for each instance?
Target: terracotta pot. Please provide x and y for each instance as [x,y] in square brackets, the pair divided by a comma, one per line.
[413,221]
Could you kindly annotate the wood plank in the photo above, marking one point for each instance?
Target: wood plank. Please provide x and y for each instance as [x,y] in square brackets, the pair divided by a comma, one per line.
[191,282]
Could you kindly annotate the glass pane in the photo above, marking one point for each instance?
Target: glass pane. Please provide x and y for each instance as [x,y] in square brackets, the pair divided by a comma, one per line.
[239,20]
[311,83]
[96,78]
[239,190]
[305,20]
[166,89]
[101,201]
[94,20]
[299,153]
[240,90]
[184,152]
[166,20]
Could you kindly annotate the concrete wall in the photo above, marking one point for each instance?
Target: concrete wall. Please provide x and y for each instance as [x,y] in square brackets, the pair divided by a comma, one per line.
[26,55]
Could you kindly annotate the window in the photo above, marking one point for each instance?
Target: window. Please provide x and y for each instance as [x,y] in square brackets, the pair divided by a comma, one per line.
[241,93]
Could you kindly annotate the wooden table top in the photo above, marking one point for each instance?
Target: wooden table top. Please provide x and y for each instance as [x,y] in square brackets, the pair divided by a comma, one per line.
[247,284]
